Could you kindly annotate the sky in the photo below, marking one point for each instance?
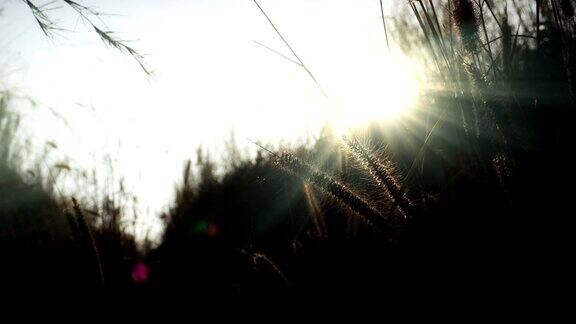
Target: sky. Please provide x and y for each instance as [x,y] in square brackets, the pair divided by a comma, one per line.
[210,79]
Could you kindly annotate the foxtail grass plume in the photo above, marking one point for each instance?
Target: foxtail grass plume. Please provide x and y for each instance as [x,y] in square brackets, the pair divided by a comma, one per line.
[465,19]
[337,190]
[86,237]
[382,175]
[506,46]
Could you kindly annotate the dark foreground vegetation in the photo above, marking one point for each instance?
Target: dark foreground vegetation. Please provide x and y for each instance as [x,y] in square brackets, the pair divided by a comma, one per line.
[470,195]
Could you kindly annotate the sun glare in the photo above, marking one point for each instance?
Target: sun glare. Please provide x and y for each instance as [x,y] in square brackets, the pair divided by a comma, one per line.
[216,82]
[375,92]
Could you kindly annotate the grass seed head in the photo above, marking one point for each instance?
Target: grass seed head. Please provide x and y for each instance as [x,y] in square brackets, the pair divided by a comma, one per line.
[466,21]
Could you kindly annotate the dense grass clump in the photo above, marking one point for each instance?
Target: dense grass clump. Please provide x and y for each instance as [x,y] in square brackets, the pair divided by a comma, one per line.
[48,240]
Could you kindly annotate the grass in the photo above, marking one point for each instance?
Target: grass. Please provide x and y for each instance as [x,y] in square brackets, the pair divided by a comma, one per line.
[91,17]
[47,239]
[472,200]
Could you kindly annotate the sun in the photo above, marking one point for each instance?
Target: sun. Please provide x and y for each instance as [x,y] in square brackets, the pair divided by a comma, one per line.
[373,91]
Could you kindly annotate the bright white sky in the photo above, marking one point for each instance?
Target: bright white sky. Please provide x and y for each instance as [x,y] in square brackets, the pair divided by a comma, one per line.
[210,78]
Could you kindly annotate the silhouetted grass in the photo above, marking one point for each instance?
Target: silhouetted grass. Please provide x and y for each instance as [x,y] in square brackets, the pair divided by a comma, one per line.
[48,240]
[481,174]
